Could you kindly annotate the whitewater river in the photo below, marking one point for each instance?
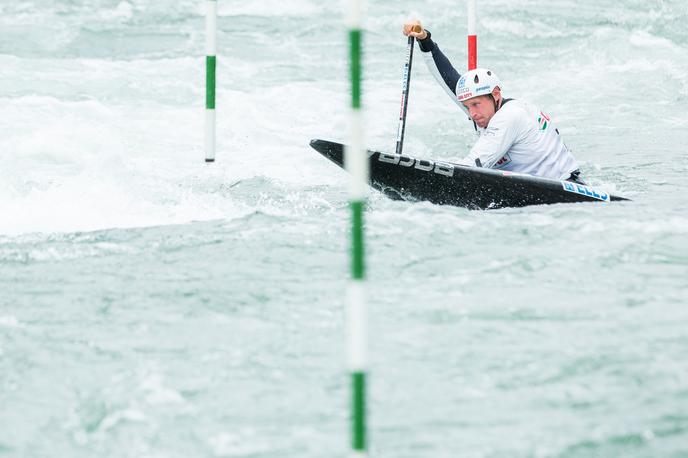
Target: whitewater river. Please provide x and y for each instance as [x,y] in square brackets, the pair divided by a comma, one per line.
[152,305]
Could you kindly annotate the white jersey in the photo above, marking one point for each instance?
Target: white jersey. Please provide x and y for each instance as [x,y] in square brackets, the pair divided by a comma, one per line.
[522,138]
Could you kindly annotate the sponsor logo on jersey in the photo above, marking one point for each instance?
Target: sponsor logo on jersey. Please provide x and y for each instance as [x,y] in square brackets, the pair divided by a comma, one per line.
[441,168]
[584,191]
[503,161]
[543,121]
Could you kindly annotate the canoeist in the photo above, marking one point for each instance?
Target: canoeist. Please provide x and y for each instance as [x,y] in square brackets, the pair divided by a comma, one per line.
[513,135]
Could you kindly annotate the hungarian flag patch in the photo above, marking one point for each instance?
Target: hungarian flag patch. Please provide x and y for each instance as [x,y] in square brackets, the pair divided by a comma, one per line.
[543,121]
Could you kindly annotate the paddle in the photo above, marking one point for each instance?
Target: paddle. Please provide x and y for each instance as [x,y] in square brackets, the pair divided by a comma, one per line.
[405,90]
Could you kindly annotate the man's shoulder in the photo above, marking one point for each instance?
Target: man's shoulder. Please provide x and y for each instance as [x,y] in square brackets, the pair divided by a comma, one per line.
[512,111]
[515,107]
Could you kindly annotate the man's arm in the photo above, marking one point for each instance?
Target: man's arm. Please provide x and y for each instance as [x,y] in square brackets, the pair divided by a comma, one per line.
[441,68]
[439,65]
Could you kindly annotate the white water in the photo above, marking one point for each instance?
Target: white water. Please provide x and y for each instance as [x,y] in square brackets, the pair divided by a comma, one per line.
[155,305]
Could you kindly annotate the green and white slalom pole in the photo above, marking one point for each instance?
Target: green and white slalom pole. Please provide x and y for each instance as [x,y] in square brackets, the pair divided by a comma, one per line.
[210,64]
[356,162]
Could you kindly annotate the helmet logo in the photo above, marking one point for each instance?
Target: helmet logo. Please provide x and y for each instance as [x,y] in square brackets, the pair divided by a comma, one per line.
[476,83]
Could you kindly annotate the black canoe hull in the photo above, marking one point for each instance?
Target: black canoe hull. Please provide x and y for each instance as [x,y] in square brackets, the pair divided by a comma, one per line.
[408,178]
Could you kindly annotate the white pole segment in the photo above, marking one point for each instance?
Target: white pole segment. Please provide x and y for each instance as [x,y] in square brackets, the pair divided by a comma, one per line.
[472,9]
[357,327]
[210,138]
[356,158]
[211,28]
[354,14]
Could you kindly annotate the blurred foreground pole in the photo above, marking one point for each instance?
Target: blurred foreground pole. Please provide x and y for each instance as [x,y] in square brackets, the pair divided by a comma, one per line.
[210,63]
[472,36]
[356,162]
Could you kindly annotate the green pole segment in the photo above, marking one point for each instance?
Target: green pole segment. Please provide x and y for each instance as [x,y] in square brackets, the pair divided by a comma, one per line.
[356,161]
[355,38]
[357,241]
[210,65]
[358,382]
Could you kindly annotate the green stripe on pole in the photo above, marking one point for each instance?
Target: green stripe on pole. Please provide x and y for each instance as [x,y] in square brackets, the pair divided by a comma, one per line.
[210,62]
[357,247]
[355,49]
[358,380]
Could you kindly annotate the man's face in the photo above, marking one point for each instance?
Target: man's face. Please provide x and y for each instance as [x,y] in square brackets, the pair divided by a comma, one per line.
[480,109]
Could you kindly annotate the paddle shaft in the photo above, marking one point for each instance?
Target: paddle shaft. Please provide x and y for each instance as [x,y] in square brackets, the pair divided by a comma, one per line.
[405,92]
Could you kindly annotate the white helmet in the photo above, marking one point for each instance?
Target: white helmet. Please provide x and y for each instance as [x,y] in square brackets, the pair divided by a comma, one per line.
[475,83]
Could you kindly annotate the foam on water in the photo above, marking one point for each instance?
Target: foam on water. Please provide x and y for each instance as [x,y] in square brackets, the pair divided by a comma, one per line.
[87,165]
[155,305]
[271,8]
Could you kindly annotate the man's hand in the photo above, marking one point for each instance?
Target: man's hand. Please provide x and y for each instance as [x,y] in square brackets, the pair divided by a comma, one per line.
[415,29]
